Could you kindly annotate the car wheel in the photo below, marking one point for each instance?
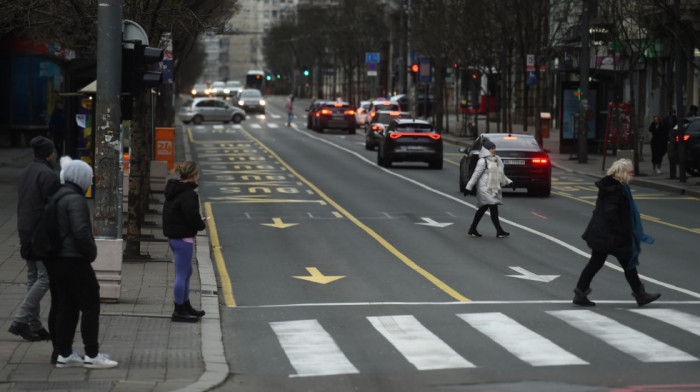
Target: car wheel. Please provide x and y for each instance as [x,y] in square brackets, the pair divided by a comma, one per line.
[368,146]
[185,122]
[197,119]
[351,131]
[543,191]
[435,164]
[319,130]
[463,175]
[380,161]
[237,118]
[227,121]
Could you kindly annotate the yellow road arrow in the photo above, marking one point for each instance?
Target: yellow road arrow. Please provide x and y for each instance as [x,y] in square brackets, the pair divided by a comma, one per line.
[318,277]
[277,222]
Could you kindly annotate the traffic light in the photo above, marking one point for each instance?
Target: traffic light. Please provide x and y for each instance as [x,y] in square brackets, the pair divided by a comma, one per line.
[306,72]
[136,76]
[414,71]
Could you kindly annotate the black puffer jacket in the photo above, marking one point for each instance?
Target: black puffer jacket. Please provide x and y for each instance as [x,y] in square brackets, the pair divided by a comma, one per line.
[181,218]
[610,228]
[75,224]
[37,182]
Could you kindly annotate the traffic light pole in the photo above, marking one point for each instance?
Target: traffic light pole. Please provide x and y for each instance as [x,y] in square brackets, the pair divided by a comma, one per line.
[108,147]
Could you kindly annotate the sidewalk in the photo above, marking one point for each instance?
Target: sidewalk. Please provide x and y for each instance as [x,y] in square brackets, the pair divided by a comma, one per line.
[594,165]
[154,354]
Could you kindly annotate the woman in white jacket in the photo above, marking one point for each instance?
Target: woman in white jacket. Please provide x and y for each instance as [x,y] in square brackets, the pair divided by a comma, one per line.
[488,177]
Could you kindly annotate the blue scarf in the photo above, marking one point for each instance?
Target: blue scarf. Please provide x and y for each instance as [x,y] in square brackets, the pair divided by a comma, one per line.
[638,235]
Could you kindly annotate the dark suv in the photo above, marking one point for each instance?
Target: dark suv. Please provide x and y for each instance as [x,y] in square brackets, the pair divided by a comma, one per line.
[410,140]
[692,146]
[334,115]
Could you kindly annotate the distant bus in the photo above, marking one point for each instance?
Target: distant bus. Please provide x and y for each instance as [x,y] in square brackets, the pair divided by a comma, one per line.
[255,79]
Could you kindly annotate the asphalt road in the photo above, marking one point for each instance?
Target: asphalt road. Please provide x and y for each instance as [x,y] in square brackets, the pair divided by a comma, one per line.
[337,274]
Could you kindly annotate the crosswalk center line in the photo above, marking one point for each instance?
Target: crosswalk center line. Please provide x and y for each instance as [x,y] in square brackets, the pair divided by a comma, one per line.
[522,342]
[310,349]
[417,344]
[628,340]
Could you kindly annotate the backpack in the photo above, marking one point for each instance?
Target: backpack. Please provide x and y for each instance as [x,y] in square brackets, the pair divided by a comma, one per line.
[45,239]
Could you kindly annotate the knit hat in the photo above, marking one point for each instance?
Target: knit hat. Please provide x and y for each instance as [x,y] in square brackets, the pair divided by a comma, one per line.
[489,145]
[76,171]
[43,147]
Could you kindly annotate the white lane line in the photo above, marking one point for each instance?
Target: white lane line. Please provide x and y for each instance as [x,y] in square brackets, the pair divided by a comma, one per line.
[528,229]
[452,303]
[628,340]
[674,317]
[310,349]
[417,344]
[520,341]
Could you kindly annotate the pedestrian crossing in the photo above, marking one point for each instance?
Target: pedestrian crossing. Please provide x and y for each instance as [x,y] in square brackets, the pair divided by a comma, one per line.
[313,351]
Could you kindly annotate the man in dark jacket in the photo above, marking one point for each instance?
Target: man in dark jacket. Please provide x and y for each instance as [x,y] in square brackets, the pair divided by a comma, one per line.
[36,183]
[615,229]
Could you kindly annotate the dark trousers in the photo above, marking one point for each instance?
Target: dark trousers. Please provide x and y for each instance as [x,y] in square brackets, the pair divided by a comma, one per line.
[493,209]
[53,310]
[594,265]
[77,291]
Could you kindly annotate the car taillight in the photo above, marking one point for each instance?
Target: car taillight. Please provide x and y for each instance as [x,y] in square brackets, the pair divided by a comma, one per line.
[326,111]
[539,161]
[395,114]
[685,138]
[374,127]
[434,136]
[349,112]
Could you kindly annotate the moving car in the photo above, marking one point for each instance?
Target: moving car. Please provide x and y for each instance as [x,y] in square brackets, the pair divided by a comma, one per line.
[232,89]
[198,110]
[334,115]
[216,89]
[251,100]
[525,162]
[200,90]
[692,145]
[410,140]
[311,112]
[378,124]
[361,114]
[382,104]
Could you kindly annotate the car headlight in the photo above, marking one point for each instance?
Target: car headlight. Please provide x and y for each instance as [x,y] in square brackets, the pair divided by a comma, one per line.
[241,102]
[194,92]
[262,102]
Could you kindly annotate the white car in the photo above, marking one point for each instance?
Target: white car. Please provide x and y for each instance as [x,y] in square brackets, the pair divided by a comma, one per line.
[216,89]
[362,112]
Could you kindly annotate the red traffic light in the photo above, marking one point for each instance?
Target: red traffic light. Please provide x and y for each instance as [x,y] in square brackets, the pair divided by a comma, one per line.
[414,68]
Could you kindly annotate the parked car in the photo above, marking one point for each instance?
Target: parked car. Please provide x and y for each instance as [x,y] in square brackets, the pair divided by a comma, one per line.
[311,112]
[216,89]
[692,145]
[361,114]
[378,124]
[251,100]
[200,90]
[198,110]
[525,162]
[410,140]
[335,115]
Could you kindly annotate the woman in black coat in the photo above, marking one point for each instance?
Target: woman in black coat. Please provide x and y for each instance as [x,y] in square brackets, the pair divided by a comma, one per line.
[659,142]
[615,229]
[181,222]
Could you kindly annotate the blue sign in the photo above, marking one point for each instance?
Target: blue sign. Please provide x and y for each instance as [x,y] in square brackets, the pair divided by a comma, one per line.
[371,57]
[425,70]
[531,78]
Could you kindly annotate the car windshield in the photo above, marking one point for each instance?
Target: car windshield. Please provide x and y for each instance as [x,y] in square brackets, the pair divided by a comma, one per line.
[418,128]
[251,94]
[514,142]
[233,83]
[200,86]
[385,118]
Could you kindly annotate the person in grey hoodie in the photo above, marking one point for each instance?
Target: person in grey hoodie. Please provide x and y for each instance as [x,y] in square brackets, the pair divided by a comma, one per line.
[488,177]
[75,283]
[36,183]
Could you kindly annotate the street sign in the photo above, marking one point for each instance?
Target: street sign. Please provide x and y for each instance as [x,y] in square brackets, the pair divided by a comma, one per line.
[425,70]
[371,57]
[371,69]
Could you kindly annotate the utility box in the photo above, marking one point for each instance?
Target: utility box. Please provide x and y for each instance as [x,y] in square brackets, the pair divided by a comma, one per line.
[545,123]
[165,146]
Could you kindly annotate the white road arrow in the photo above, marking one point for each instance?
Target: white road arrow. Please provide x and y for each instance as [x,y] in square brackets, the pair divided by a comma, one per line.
[430,222]
[525,274]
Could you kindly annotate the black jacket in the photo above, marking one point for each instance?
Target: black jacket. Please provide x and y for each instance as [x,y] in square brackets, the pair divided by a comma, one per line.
[610,228]
[181,217]
[36,183]
[75,224]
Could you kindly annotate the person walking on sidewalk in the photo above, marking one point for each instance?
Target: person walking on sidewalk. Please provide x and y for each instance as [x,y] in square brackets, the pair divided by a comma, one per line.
[659,143]
[289,107]
[36,183]
[181,222]
[488,177]
[615,229]
[75,283]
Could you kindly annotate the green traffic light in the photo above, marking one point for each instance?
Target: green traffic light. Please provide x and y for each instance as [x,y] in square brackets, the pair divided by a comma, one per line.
[268,77]
[306,72]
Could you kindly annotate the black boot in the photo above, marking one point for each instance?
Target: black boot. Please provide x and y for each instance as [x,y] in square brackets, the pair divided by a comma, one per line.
[22,329]
[193,311]
[472,232]
[644,298]
[180,314]
[581,297]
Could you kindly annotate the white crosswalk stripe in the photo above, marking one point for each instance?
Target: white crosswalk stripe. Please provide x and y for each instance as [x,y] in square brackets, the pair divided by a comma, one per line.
[681,320]
[273,125]
[522,342]
[310,349]
[417,344]
[630,341]
[255,125]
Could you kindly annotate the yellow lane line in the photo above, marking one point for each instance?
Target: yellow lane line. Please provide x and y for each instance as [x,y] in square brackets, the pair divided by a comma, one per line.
[643,216]
[410,263]
[219,258]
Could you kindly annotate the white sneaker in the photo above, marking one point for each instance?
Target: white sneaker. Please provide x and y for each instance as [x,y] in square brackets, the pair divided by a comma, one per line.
[101,361]
[73,360]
